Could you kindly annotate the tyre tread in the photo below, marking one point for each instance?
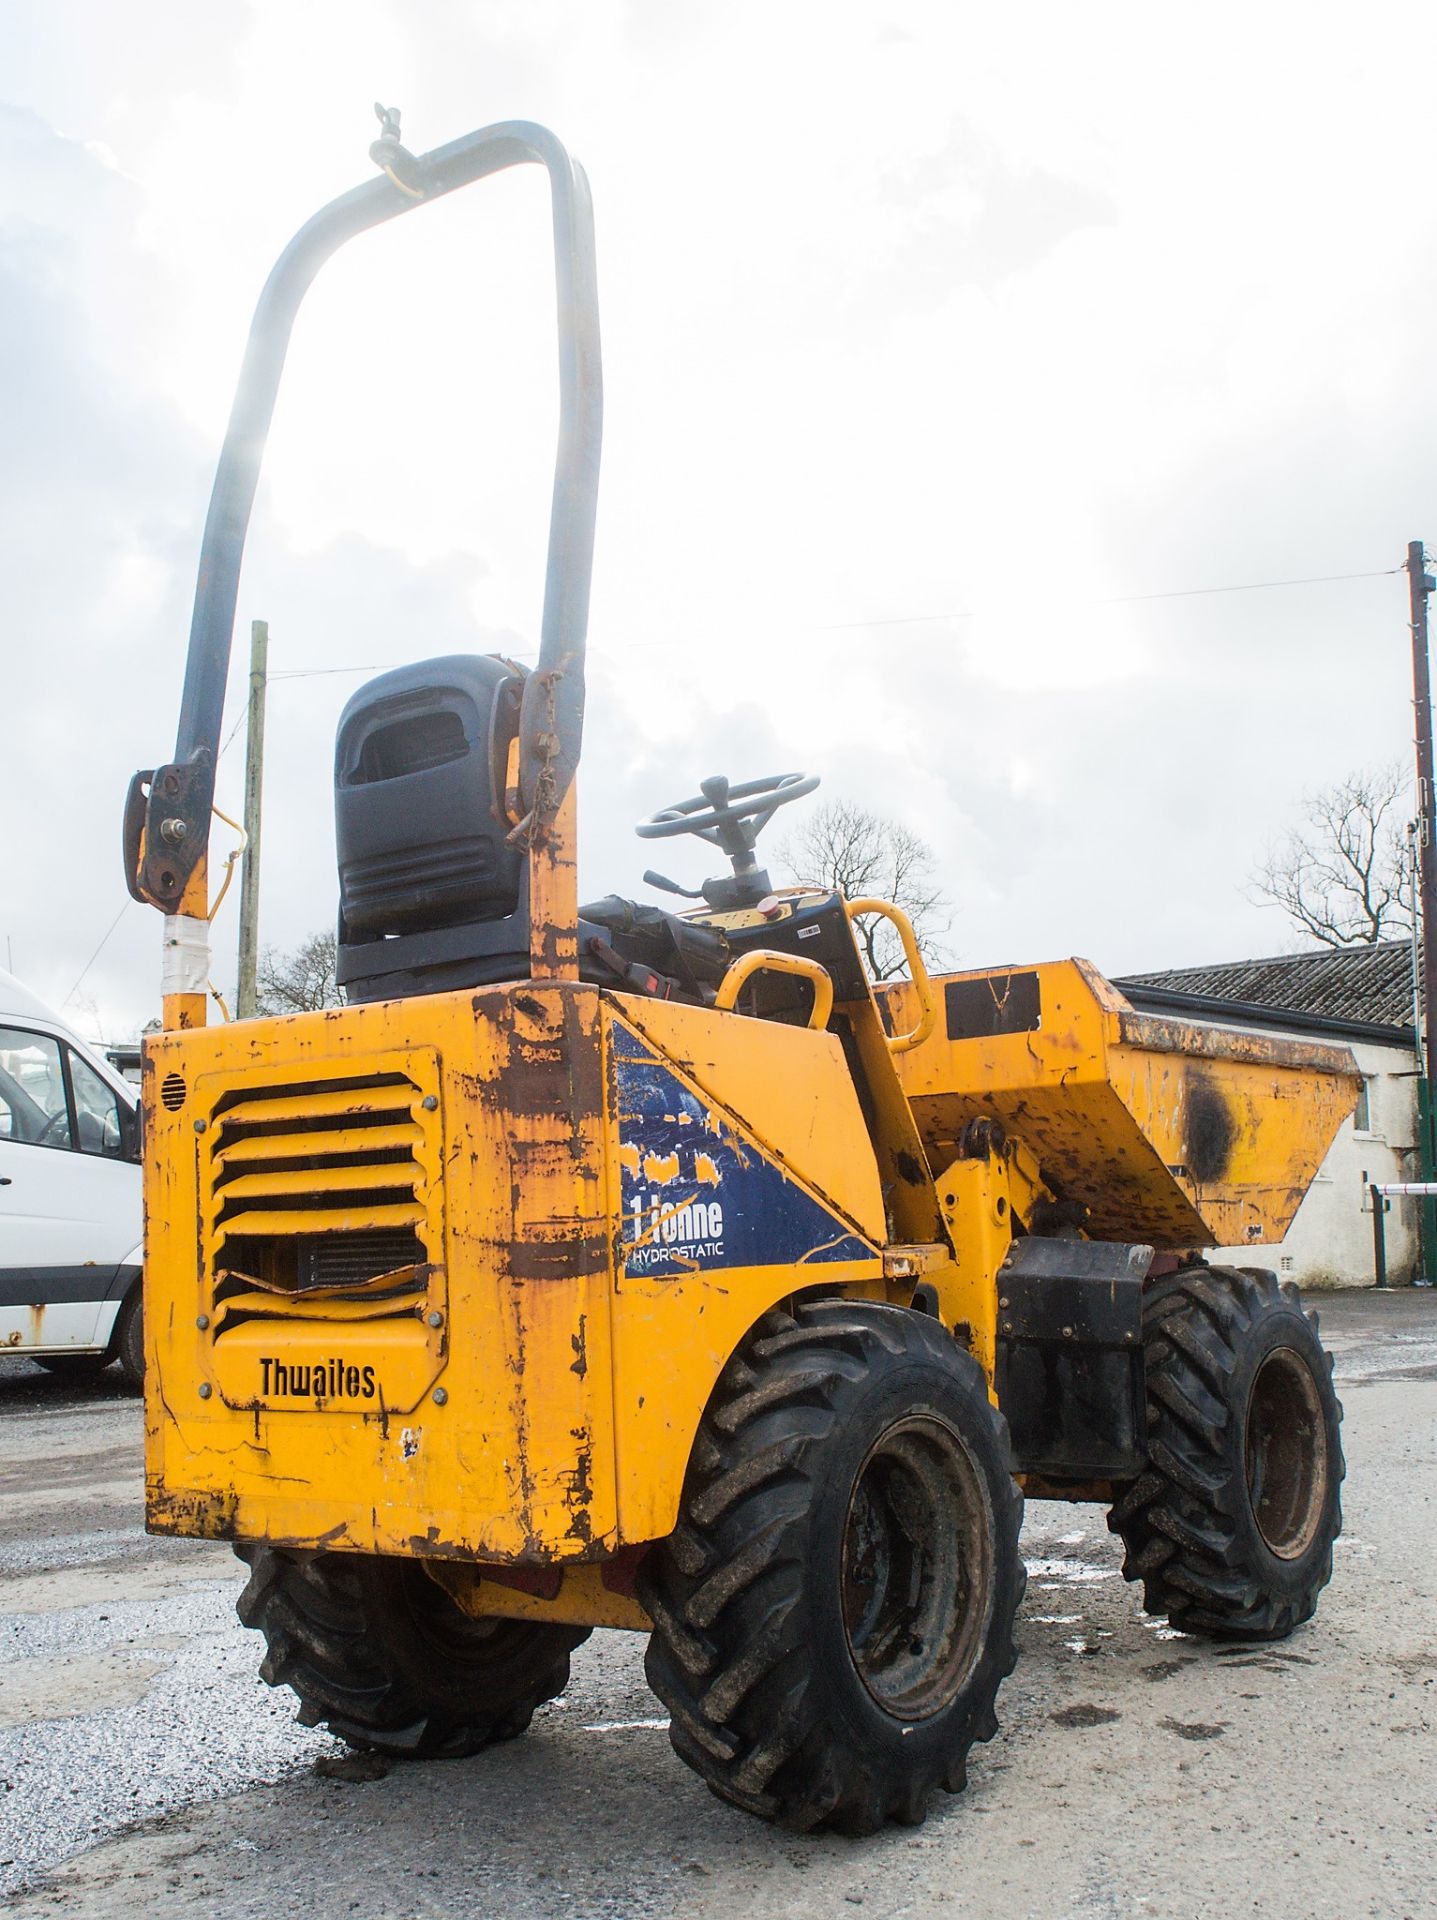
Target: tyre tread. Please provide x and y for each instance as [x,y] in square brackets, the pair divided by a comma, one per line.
[331,1624]
[728,1652]
[1179,1519]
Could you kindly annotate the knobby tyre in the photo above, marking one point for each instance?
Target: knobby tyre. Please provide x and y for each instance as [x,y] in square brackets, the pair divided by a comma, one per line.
[1231,1525]
[380,1654]
[833,1614]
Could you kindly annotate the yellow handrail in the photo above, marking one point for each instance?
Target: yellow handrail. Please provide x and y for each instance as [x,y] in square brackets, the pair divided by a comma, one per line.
[762,960]
[922,986]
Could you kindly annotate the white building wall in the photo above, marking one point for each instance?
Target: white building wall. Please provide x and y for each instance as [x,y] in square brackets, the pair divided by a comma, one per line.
[1330,1242]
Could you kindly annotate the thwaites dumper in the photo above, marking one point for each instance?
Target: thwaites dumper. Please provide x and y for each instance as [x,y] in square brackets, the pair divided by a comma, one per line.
[611,1267]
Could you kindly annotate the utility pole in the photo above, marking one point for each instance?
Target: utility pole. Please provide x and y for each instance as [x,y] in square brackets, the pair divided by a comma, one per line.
[245,999]
[1420,585]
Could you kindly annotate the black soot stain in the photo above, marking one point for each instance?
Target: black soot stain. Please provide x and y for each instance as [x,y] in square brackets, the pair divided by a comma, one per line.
[1209,1131]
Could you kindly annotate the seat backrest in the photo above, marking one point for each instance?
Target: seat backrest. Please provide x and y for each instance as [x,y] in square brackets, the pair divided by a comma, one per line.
[426,871]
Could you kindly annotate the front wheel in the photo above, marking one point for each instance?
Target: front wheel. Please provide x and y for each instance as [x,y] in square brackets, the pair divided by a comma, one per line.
[833,1615]
[384,1657]
[1230,1527]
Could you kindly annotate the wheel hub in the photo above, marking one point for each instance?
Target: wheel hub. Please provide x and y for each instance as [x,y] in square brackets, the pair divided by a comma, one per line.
[1286,1454]
[917,1559]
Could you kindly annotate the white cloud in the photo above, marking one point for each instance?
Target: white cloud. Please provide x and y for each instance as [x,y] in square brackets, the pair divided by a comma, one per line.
[1006,313]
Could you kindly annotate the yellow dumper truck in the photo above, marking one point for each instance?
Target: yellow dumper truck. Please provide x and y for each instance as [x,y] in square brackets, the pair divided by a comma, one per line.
[602,1266]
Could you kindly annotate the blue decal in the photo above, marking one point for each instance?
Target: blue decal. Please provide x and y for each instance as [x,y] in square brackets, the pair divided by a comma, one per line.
[697,1194]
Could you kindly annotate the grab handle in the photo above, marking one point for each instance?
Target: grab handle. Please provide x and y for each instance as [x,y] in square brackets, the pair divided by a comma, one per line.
[918,973]
[763,960]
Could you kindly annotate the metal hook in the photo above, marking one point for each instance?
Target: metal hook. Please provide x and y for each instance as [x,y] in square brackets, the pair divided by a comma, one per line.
[391,157]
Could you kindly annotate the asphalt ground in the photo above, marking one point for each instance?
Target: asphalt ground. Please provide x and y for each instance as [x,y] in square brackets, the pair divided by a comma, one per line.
[144,1768]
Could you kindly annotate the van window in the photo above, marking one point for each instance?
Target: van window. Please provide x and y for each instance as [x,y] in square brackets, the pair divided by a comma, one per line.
[97,1111]
[32,1084]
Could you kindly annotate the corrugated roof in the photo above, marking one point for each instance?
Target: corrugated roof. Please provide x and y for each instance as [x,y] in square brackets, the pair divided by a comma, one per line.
[1371,985]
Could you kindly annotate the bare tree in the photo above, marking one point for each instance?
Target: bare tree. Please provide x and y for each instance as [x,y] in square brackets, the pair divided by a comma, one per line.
[1342,878]
[299,980]
[860,854]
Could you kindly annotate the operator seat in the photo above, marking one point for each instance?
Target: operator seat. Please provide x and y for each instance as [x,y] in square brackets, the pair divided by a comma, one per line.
[432,895]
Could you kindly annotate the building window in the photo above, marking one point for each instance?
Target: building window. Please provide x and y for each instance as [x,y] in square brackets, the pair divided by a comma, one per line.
[1362,1118]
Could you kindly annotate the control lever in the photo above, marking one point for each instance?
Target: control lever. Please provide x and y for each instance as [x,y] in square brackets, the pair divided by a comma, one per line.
[652,879]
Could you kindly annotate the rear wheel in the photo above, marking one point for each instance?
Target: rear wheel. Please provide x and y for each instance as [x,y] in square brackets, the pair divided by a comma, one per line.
[1230,1527]
[380,1654]
[130,1341]
[833,1615]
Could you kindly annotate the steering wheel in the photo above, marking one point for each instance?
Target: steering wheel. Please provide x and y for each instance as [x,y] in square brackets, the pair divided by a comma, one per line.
[716,811]
[50,1125]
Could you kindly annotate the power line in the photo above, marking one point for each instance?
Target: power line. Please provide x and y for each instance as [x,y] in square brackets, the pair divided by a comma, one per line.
[830,626]
[96,954]
[128,903]
[229,738]
[319,673]
[924,619]
[1121,599]
[895,620]
[1248,586]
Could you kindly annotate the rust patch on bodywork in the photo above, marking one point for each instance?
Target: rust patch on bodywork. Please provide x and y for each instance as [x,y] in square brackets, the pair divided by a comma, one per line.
[581,1489]
[197,1515]
[560,1250]
[558,1257]
[1156,1035]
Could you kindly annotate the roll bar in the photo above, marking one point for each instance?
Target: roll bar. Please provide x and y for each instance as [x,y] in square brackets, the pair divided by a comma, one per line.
[167,813]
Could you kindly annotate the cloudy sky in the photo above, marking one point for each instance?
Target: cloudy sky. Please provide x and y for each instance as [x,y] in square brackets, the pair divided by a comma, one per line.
[948,347]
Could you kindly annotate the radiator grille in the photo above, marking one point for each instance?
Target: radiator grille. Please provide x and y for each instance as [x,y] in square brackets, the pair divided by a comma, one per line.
[354,1259]
[320,1189]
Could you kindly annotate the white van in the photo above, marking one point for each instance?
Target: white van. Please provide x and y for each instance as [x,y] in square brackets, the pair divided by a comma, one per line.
[70,1209]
